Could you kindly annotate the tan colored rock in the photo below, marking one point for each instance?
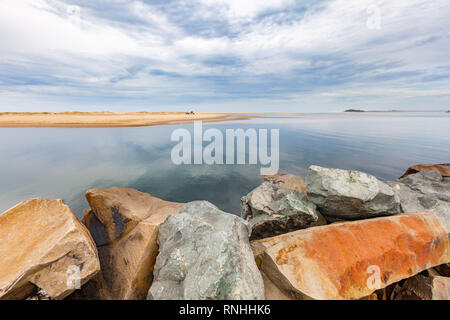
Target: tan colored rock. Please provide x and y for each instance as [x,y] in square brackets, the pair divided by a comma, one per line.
[425,288]
[124,224]
[444,169]
[287,181]
[441,288]
[351,260]
[271,291]
[44,245]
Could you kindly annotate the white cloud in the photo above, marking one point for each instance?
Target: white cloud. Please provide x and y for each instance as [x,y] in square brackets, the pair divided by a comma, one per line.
[93,54]
[248,9]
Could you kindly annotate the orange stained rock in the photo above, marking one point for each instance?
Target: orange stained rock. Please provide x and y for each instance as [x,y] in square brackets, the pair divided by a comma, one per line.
[444,169]
[351,260]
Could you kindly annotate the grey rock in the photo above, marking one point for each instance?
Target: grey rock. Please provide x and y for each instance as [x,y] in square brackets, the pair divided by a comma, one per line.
[205,254]
[414,201]
[430,183]
[272,210]
[349,194]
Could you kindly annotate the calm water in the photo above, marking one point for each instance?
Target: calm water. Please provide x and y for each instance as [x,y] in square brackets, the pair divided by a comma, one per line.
[65,162]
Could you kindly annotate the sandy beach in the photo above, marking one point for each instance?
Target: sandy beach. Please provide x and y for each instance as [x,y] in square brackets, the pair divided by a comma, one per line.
[106,119]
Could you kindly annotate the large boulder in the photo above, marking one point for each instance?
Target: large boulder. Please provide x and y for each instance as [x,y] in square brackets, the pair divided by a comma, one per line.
[44,249]
[430,183]
[421,287]
[124,224]
[414,201]
[350,195]
[287,181]
[443,169]
[272,210]
[350,260]
[271,290]
[205,254]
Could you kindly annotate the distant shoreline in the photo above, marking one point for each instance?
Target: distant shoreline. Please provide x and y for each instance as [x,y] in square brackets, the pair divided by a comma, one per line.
[389,111]
[135,119]
[107,119]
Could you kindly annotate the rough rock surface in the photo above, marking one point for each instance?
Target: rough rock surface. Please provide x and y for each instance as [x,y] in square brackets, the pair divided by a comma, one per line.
[272,210]
[39,295]
[444,269]
[44,248]
[430,183]
[443,169]
[287,181]
[350,195]
[414,201]
[205,254]
[124,224]
[425,288]
[271,290]
[387,293]
[350,260]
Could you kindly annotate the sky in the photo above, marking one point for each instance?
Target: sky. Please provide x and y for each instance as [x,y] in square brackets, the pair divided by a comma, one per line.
[224,55]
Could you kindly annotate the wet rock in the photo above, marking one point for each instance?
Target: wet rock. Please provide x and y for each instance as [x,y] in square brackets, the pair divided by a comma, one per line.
[44,248]
[350,195]
[351,260]
[272,210]
[430,183]
[205,254]
[421,287]
[287,181]
[443,169]
[124,224]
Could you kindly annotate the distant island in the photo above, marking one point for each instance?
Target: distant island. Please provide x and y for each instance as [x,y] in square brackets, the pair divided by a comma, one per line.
[354,110]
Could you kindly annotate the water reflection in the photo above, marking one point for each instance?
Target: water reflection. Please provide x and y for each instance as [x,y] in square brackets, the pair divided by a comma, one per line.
[64,162]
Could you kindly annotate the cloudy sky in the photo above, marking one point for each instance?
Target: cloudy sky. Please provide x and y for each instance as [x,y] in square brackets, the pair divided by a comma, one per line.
[224,55]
